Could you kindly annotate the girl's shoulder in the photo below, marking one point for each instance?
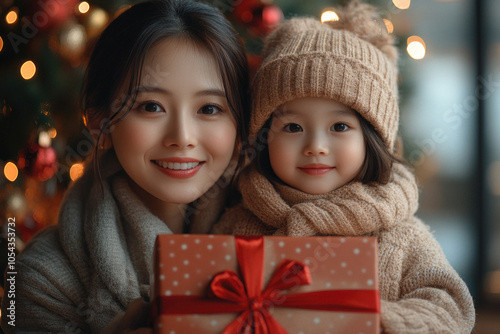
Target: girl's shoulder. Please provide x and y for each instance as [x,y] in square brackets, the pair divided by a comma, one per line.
[410,234]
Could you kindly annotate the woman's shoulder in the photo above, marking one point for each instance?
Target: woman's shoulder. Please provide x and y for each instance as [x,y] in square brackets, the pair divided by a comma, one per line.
[45,256]
[44,244]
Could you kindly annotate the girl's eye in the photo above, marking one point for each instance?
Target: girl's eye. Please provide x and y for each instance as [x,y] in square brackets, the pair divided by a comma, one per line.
[209,109]
[151,107]
[339,127]
[293,127]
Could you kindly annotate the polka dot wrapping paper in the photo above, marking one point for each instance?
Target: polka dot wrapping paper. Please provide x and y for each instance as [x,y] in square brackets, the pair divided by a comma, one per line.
[185,265]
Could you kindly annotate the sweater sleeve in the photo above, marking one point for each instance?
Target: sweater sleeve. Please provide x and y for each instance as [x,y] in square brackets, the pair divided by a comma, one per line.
[48,294]
[421,292]
[356,208]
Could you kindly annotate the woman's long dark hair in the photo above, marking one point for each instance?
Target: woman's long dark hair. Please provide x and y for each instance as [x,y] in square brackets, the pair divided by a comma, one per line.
[119,54]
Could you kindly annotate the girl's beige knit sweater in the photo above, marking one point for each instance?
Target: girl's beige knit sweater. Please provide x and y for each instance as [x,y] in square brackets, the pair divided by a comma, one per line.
[420,292]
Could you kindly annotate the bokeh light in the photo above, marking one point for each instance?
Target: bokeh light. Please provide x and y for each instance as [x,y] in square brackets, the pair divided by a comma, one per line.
[329,15]
[402,4]
[10,171]
[416,47]
[28,70]
[83,7]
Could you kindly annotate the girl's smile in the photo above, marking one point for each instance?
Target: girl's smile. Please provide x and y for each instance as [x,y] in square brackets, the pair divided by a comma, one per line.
[315,169]
[316,145]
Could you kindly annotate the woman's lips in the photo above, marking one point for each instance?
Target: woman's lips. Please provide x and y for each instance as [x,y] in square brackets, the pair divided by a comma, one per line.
[315,169]
[181,168]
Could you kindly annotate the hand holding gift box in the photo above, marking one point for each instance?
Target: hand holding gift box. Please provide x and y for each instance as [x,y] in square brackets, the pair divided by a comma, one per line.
[287,285]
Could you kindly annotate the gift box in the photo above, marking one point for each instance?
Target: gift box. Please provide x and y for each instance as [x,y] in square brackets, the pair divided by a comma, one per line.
[235,284]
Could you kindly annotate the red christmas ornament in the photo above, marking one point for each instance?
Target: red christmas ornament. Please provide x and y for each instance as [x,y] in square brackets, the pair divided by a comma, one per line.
[265,18]
[47,14]
[38,161]
[243,10]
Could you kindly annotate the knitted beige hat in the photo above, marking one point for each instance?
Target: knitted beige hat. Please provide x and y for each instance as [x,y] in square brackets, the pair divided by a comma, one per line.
[353,61]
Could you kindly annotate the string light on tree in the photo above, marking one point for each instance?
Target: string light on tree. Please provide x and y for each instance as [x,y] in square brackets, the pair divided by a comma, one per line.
[10,171]
[1,44]
[28,70]
[96,21]
[76,171]
[83,7]
[416,47]
[11,16]
[329,15]
[52,133]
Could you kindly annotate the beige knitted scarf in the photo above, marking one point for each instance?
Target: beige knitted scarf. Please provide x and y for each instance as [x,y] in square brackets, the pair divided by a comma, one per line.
[354,209]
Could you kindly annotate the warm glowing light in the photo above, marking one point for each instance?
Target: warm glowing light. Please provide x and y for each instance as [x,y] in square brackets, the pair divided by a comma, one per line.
[416,47]
[28,70]
[52,133]
[494,178]
[76,171]
[11,17]
[10,171]
[402,4]
[44,139]
[1,44]
[83,7]
[329,15]
[98,18]
[389,26]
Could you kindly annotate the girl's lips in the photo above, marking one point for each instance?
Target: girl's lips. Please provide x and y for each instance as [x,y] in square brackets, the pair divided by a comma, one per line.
[316,169]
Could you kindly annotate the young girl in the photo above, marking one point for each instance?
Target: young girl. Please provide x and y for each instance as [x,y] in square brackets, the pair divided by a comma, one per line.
[166,86]
[325,119]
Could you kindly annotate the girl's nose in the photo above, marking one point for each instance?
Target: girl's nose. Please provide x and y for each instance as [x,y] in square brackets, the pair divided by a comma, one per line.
[316,145]
[181,133]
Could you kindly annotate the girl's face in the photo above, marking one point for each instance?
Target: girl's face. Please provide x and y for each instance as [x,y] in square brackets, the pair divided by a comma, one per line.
[316,145]
[180,135]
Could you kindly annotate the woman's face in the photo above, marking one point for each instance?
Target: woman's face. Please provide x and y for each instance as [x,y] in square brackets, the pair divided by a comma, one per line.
[316,145]
[180,135]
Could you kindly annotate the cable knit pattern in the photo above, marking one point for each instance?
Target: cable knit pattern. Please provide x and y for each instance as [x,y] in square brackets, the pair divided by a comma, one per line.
[420,291]
[77,276]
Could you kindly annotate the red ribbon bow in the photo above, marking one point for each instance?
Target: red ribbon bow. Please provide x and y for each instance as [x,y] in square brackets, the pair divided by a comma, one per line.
[229,293]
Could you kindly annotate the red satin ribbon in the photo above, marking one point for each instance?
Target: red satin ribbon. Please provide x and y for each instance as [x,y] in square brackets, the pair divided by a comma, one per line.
[229,293]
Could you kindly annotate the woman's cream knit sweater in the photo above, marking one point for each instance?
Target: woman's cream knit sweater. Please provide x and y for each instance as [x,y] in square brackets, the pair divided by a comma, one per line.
[77,276]
[420,292]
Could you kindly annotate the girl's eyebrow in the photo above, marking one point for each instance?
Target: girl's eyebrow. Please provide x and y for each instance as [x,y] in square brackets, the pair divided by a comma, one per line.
[205,92]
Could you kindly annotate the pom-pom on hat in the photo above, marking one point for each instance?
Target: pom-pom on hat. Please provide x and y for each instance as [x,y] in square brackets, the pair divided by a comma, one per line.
[353,61]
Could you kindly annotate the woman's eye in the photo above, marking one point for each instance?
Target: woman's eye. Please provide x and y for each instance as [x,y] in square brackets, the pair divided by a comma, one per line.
[339,127]
[151,107]
[293,127]
[209,110]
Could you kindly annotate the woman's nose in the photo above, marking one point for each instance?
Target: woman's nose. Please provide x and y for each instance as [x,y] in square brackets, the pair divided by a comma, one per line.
[181,133]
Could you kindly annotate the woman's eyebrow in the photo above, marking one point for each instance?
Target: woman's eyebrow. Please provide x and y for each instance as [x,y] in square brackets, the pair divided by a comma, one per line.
[155,89]
[204,92]
[211,92]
